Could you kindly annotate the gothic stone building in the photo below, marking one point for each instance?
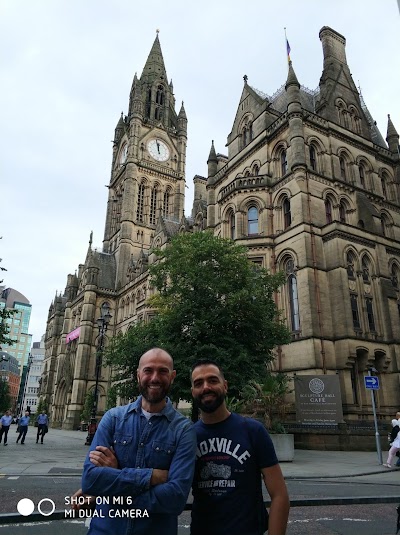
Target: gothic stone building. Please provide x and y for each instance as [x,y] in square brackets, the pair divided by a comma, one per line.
[309,185]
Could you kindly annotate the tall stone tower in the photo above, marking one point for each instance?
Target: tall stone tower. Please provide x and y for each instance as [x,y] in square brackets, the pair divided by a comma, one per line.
[148,165]
[145,204]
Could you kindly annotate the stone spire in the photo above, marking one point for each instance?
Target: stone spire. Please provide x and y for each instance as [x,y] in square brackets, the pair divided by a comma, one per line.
[392,136]
[154,67]
[291,78]
[119,129]
[182,121]
[212,161]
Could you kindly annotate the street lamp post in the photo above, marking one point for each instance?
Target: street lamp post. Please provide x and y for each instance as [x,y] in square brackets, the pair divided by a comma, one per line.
[102,324]
[26,378]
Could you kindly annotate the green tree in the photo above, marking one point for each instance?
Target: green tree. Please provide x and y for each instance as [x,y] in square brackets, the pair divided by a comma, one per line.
[212,302]
[42,406]
[5,398]
[264,398]
[87,406]
[4,315]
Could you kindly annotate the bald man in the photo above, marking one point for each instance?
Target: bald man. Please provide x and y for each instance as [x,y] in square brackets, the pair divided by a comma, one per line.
[141,461]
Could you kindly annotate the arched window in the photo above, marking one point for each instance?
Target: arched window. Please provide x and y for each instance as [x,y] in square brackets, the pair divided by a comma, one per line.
[160,95]
[342,212]
[148,103]
[354,311]
[293,297]
[328,211]
[350,260]
[140,204]
[361,172]
[384,224]
[383,182]
[313,158]
[256,170]
[370,313]
[287,216]
[158,112]
[365,269]
[284,165]
[250,126]
[394,275]
[244,136]
[153,206]
[166,203]
[342,164]
[252,221]
[232,226]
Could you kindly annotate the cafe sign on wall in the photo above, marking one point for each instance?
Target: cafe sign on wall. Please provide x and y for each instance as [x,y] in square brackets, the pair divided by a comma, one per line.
[318,399]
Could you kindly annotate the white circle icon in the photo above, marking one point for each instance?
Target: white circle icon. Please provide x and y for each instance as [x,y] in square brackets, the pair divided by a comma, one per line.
[43,501]
[316,386]
[25,507]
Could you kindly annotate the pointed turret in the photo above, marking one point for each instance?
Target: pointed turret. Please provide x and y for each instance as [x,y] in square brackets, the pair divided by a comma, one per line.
[296,155]
[136,106]
[119,129]
[392,137]
[154,67]
[212,161]
[339,99]
[182,121]
[291,78]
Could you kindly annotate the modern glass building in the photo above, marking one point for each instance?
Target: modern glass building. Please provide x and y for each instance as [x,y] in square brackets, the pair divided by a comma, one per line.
[18,324]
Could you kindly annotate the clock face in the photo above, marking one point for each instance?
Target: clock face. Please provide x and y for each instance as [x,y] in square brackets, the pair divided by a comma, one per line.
[158,150]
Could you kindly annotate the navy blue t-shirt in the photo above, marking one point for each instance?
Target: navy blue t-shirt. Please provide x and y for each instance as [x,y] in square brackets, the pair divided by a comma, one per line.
[227,481]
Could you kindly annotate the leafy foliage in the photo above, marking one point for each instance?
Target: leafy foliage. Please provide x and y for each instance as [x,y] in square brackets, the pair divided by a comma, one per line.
[212,302]
[5,398]
[42,406]
[87,406]
[5,313]
[265,398]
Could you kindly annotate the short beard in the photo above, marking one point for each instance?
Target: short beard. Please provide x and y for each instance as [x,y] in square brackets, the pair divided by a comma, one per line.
[211,406]
[152,398]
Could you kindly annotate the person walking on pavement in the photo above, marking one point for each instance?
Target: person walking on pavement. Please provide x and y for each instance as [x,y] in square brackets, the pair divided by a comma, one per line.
[23,427]
[395,442]
[5,421]
[43,426]
[233,455]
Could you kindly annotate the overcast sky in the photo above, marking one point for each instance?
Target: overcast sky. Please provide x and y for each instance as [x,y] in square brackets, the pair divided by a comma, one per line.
[65,76]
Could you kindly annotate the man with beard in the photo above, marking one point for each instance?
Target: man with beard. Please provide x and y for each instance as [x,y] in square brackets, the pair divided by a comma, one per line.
[233,453]
[141,462]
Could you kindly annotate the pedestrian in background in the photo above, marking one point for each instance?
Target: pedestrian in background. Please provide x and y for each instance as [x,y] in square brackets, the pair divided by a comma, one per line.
[395,442]
[5,422]
[43,426]
[23,427]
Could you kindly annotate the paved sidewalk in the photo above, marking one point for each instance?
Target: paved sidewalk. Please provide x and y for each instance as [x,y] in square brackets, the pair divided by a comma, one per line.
[63,452]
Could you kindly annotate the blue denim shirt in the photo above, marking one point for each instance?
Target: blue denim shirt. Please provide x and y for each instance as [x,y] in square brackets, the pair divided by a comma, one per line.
[167,442]
[24,420]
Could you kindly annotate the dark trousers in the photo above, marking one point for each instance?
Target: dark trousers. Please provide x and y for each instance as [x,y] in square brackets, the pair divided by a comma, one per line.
[40,432]
[4,430]
[23,429]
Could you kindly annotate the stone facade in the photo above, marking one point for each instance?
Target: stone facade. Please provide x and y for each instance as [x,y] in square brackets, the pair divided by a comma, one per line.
[309,185]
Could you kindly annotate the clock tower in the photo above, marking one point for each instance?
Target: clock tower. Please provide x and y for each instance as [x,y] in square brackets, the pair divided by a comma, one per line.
[148,166]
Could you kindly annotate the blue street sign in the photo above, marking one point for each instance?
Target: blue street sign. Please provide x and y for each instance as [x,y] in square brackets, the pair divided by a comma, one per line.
[371,382]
